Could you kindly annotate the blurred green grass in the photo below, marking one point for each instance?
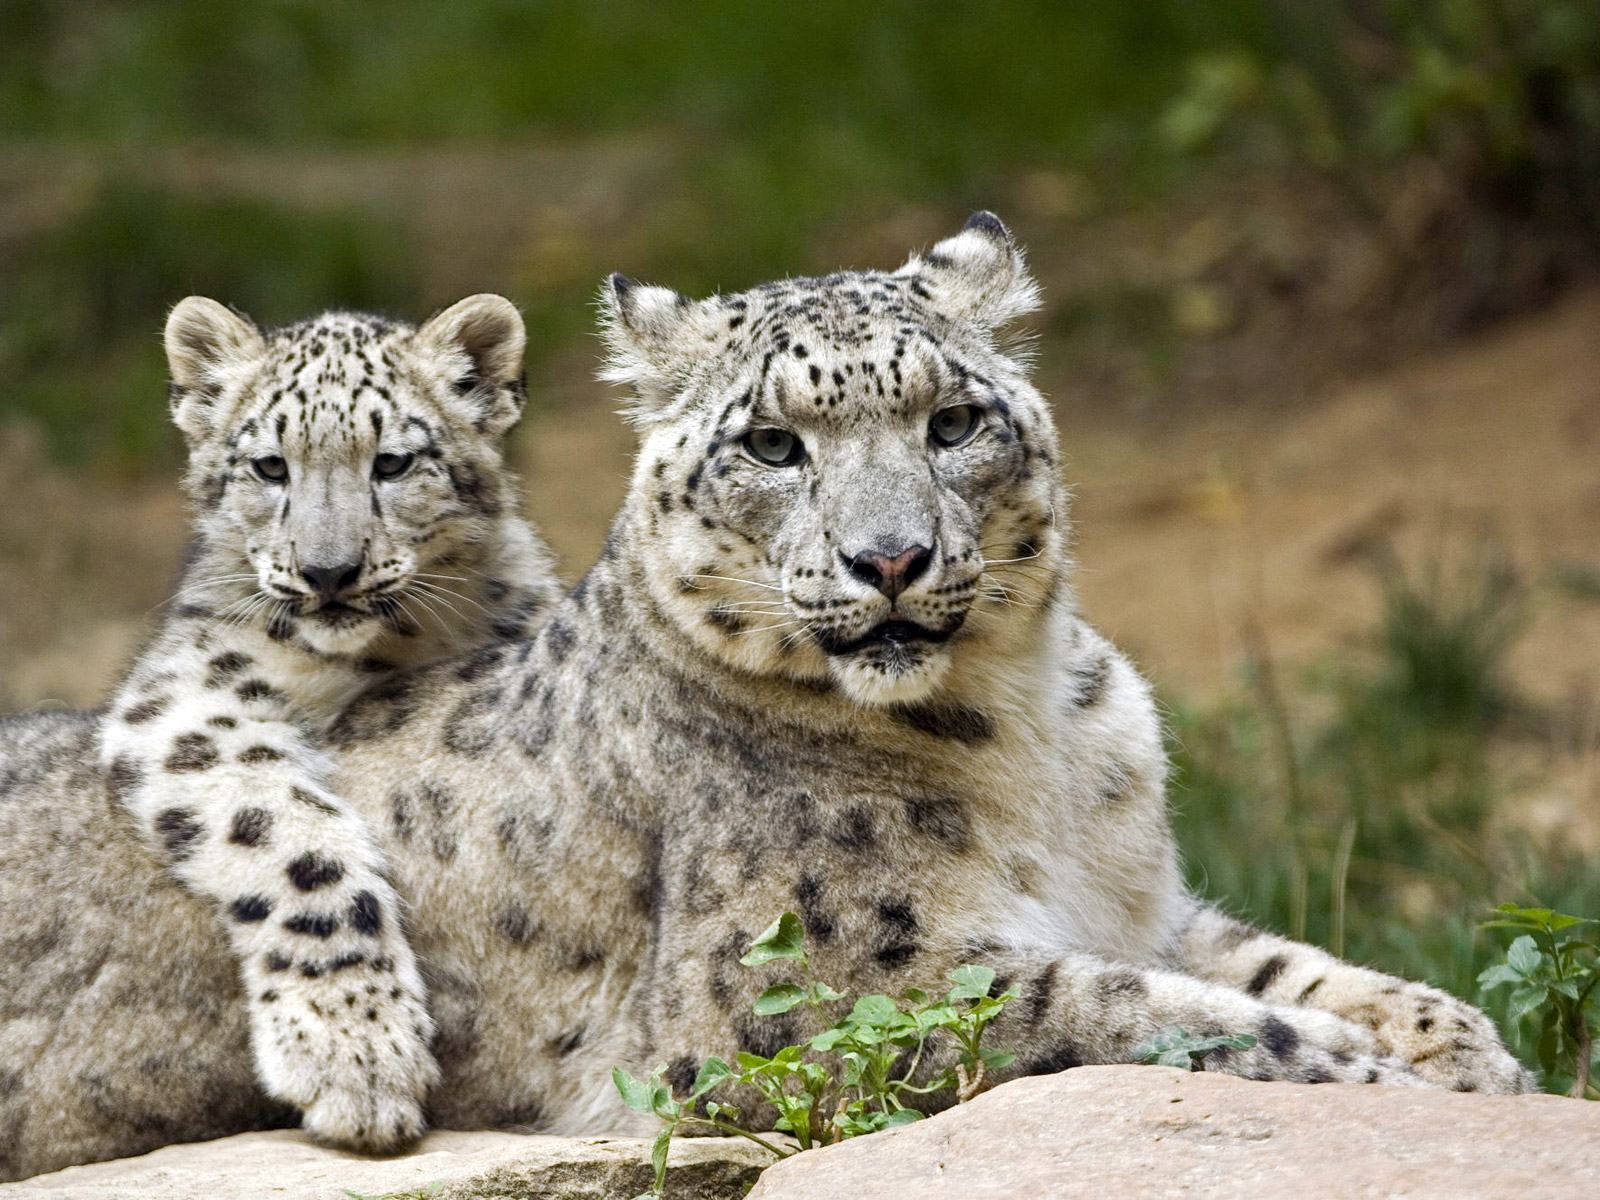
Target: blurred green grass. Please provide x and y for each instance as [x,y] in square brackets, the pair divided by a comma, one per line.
[782,125]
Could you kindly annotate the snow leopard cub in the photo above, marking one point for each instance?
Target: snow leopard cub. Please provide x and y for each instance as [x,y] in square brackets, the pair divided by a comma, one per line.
[353,516]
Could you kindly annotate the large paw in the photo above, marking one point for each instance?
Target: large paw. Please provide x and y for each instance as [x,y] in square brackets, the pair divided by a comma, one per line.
[1444,1040]
[349,1046]
[1307,1046]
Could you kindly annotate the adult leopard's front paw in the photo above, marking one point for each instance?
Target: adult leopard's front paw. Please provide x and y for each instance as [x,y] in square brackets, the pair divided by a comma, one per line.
[349,1047]
[1446,1041]
[1308,1046]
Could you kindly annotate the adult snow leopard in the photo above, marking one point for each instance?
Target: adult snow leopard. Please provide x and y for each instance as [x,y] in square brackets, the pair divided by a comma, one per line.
[829,661]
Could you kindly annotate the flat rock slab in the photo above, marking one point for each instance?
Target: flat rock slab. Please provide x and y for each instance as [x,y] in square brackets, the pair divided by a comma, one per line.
[1159,1131]
[286,1165]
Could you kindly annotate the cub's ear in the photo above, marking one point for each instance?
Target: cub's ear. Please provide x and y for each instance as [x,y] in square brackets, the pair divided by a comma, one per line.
[978,275]
[653,338]
[480,341]
[206,343]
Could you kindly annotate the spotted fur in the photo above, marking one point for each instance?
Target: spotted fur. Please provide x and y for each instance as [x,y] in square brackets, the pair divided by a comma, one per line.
[740,711]
[318,570]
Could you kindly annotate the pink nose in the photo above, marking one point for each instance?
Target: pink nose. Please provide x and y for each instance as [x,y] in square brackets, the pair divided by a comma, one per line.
[890,574]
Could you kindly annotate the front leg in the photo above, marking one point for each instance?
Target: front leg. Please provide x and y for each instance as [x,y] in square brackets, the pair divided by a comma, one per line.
[230,790]
[1077,1010]
[1445,1040]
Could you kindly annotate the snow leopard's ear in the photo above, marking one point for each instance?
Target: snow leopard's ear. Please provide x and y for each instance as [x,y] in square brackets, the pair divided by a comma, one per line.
[978,275]
[207,345]
[478,342]
[653,338]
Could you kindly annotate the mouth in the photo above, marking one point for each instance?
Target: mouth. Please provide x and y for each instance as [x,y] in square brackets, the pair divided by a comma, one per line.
[338,614]
[896,631]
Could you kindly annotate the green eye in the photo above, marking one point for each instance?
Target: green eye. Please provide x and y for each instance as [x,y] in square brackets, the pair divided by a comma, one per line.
[392,466]
[775,447]
[271,468]
[954,425]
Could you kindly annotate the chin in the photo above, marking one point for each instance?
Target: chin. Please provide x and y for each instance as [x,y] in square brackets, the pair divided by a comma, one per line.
[895,675]
[345,636]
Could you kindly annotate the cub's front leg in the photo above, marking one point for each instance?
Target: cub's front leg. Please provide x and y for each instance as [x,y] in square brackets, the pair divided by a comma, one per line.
[1444,1040]
[223,781]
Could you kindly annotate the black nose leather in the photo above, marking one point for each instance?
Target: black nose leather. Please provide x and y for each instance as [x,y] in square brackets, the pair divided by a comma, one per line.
[890,574]
[330,581]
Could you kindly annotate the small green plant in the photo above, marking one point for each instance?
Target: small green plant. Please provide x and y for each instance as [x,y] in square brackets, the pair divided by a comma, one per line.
[1171,1046]
[854,1077]
[1553,972]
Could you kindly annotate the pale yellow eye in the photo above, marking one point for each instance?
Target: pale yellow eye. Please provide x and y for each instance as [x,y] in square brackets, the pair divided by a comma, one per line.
[271,468]
[775,447]
[954,425]
[392,466]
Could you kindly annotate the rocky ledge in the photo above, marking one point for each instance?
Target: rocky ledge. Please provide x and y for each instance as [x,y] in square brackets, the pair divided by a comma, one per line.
[1095,1131]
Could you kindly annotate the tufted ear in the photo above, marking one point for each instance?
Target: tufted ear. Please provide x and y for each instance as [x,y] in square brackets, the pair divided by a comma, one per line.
[480,341]
[206,342]
[978,275]
[653,336]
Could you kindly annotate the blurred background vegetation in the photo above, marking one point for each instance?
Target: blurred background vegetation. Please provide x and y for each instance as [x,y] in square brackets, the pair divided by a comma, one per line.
[1280,241]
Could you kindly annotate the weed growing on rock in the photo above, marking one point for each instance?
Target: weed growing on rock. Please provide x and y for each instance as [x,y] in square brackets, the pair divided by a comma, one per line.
[1171,1046]
[855,1077]
[1553,972]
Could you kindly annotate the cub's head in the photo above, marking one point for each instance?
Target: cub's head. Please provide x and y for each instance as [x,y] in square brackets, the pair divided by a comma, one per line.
[849,478]
[339,467]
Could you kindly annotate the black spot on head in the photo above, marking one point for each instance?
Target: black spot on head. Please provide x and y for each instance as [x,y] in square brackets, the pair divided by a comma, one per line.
[192,752]
[1266,974]
[366,916]
[1279,1038]
[178,830]
[1424,1024]
[250,909]
[311,870]
[250,827]
[255,755]
[278,962]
